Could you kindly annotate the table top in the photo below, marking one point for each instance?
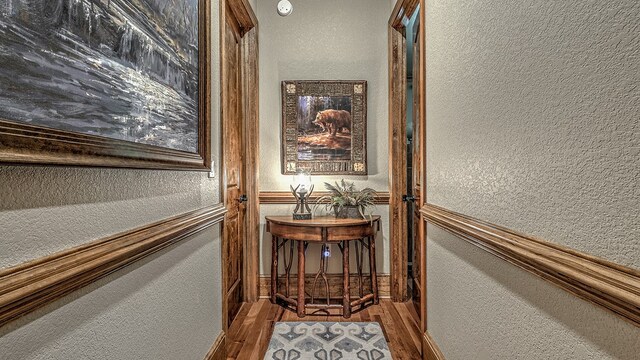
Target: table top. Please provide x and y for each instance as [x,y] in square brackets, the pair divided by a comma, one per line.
[321,221]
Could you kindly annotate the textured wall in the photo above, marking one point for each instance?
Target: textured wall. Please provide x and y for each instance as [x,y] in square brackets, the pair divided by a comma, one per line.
[323,40]
[166,306]
[483,308]
[532,123]
[254,5]
[48,209]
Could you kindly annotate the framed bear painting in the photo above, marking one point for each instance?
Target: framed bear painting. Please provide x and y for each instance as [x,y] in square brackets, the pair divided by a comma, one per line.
[324,127]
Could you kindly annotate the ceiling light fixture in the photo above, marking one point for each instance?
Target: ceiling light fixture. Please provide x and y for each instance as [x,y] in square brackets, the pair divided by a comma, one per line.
[284,7]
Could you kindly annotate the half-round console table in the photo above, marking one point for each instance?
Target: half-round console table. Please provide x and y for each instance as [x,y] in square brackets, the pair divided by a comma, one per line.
[322,230]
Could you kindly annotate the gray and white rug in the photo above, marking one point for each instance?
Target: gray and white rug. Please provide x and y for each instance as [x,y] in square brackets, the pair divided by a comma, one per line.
[327,341]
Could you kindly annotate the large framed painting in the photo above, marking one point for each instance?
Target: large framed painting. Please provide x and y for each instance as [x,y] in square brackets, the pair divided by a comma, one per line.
[118,83]
[324,127]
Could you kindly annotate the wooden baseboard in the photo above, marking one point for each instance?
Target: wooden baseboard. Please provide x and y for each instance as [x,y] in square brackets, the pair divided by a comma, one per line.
[335,285]
[218,350]
[430,350]
[612,286]
[28,286]
[285,197]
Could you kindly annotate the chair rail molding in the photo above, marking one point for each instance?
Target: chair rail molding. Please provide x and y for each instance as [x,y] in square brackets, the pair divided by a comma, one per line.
[612,286]
[286,197]
[30,285]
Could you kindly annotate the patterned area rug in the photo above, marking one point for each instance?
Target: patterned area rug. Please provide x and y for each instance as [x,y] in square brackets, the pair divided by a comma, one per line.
[327,341]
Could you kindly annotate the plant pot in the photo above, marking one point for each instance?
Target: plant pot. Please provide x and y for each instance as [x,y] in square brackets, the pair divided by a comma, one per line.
[348,212]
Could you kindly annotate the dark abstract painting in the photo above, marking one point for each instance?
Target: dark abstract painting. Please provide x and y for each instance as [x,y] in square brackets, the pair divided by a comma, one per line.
[120,69]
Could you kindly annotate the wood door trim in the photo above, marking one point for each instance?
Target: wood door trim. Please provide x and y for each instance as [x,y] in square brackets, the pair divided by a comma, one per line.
[218,350]
[244,14]
[229,22]
[397,164]
[250,84]
[286,197]
[233,21]
[430,350]
[248,26]
[28,286]
[403,10]
[612,286]
[421,79]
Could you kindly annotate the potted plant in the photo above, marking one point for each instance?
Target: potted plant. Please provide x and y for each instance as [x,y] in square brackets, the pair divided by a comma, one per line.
[346,201]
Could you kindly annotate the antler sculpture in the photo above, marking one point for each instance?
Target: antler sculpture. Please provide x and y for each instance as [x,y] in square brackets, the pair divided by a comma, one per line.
[302,210]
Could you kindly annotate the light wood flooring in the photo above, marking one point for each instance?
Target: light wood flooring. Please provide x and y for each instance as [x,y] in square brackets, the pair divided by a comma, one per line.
[249,335]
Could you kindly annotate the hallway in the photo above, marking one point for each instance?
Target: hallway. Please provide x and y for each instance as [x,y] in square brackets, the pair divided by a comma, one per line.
[184,179]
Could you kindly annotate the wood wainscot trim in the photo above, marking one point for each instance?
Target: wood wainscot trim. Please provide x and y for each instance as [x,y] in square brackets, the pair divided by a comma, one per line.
[28,286]
[286,197]
[612,286]
[218,350]
[335,284]
[430,350]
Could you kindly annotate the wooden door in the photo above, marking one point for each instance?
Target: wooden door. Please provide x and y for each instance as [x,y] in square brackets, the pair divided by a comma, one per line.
[232,150]
[399,219]
[418,239]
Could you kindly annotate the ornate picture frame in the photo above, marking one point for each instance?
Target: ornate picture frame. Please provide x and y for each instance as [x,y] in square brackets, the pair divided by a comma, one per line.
[125,86]
[324,127]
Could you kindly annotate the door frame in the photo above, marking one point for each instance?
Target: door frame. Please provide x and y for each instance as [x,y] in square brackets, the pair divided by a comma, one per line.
[404,10]
[248,22]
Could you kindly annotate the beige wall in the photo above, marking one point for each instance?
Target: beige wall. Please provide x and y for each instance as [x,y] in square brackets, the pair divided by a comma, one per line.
[532,123]
[324,40]
[166,306]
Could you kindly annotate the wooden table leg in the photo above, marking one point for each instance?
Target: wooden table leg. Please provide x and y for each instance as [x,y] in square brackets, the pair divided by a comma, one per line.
[346,301]
[274,268]
[372,269]
[300,308]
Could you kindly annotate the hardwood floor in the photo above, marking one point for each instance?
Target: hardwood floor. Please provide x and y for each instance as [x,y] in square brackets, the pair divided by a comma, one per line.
[249,335]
